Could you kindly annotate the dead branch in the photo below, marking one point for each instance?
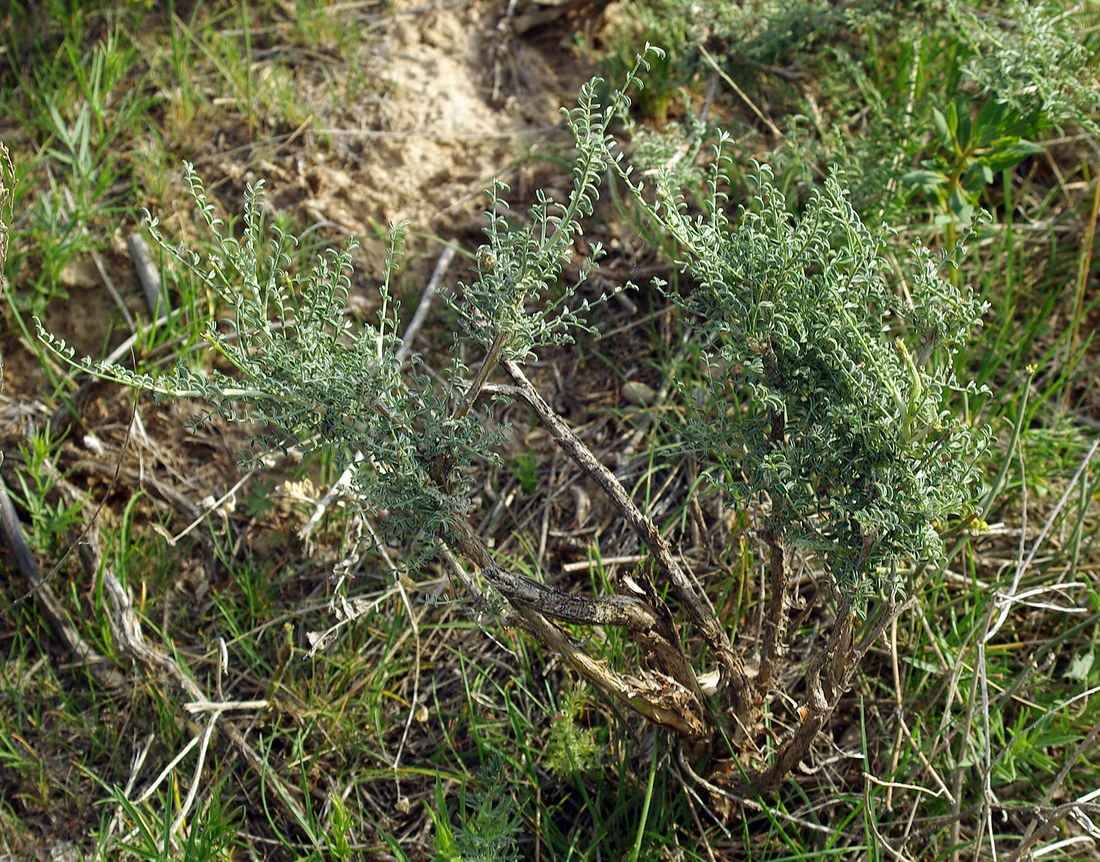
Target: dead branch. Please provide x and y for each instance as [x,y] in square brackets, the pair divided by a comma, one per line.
[100,666]
[698,609]
[666,691]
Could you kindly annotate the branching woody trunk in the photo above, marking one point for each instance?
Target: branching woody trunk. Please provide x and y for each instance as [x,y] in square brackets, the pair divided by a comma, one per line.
[665,688]
[775,611]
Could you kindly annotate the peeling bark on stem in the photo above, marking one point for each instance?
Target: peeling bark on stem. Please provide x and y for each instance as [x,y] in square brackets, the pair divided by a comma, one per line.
[702,615]
[826,685]
[775,616]
[622,611]
[658,699]
[666,691]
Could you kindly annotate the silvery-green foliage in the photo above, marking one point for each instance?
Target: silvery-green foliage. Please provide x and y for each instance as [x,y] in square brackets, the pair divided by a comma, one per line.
[1030,56]
[675,148]
[828,373]
[303,374]
[827,386]
[517,297]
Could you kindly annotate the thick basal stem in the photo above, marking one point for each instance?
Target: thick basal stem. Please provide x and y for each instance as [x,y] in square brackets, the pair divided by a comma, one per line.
[700,613]
[626,612]
[826,684]
[775,611]
[775,616]
[672,701]
[682,715]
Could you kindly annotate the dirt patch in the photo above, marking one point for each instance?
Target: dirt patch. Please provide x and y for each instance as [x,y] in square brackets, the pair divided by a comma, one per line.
[424,142]
[441,140]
